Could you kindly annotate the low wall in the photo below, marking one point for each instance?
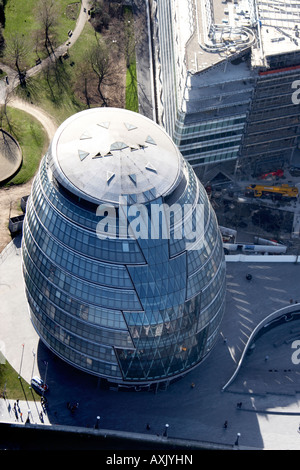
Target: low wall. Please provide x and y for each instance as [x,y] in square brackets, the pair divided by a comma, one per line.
[263,258]
[58,437]
[282,312]
[10,156]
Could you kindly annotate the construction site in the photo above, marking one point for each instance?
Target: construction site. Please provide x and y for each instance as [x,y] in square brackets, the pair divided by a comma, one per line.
[258,218]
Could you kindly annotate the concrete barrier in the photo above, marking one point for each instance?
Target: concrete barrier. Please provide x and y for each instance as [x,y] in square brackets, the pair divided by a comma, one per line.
[37,436]
[262,258]
[272,318]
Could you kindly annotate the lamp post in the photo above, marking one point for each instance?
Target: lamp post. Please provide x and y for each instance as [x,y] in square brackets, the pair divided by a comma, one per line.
[97,422]
[237,439]
[166,430]
[46,364]
[33,353]
[21,360]
[28,417]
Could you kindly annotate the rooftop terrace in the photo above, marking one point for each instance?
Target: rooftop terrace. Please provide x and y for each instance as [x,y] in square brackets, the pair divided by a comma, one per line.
[224,28]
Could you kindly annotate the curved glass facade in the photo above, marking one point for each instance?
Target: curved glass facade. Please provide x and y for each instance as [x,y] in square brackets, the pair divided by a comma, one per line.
[131,309]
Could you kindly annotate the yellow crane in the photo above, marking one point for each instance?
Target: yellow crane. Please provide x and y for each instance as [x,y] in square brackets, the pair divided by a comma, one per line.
[280,191]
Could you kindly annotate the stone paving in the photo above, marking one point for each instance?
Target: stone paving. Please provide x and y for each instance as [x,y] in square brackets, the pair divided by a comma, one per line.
[268,389]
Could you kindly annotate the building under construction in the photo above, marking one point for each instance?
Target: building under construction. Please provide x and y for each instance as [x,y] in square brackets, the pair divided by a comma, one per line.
[226,80]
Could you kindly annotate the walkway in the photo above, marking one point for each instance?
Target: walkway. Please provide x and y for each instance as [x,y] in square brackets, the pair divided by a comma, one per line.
[10,412]
[13,80]
[269,390]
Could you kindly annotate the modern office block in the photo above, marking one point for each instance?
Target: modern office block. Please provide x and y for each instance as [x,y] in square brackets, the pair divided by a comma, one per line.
[111,289]
[224,76]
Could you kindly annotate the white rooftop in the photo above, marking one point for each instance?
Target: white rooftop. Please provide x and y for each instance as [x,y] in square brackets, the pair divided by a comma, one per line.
[279,22]
[101,154]
[223,28]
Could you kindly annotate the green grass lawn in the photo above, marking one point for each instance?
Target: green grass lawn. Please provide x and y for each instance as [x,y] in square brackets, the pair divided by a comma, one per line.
[33,141]
[53,91]
[14,387]
[132,102]
[21,17]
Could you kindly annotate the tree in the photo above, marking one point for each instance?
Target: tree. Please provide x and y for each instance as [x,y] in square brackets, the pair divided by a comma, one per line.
[102,65]
[4,116]
[16,53]
[99,15]
[82,83]
[47,16]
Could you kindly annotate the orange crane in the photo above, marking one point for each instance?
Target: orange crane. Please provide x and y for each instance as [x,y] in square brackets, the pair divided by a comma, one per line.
[281,191]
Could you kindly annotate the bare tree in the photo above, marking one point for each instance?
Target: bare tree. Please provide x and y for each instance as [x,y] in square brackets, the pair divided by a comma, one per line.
[4,114]
[102,65]
[131,35]
[83,81]
[5,121]
[16,52]
[100,17]
[47,16]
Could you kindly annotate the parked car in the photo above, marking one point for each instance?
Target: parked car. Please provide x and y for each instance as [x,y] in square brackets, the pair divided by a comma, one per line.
[39,385]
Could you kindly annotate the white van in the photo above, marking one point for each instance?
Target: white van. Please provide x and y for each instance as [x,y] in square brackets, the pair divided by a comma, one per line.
[39,385]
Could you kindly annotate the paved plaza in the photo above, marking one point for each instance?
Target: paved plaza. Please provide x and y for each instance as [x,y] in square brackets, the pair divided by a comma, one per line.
[268,388]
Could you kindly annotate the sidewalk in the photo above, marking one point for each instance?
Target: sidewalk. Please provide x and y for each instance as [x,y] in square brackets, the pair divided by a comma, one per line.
[12,75]
[269,390]
[10,412]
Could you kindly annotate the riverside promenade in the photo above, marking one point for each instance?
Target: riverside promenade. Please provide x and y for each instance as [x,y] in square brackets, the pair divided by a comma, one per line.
[267,385]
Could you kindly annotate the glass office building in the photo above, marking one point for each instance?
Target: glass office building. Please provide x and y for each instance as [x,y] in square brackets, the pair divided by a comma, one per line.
[224,76]
[123,279]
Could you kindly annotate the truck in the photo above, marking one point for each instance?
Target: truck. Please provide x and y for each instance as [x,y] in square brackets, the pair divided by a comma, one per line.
[283,191]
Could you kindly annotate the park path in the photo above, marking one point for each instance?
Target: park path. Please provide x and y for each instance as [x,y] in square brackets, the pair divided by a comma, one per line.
[12,81]
[10,196]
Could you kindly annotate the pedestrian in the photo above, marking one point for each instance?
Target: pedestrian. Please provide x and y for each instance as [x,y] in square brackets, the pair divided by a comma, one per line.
[266,358]
[192,385]
[225,425]
[148,426]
